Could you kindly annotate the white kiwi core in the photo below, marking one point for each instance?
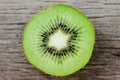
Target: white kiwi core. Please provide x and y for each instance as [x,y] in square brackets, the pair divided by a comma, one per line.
[58,40]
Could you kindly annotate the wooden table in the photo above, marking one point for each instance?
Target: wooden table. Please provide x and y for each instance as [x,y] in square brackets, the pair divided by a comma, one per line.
[105,62]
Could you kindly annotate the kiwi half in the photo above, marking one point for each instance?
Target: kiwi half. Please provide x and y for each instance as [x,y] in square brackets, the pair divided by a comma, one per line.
[59,40]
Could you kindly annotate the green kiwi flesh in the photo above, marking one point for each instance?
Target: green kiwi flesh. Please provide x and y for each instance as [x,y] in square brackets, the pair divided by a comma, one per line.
[65,24]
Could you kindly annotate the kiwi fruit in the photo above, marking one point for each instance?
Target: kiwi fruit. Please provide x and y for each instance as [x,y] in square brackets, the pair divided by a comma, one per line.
[59,40]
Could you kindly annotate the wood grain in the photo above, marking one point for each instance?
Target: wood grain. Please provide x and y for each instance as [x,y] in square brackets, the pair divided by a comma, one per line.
[105,62]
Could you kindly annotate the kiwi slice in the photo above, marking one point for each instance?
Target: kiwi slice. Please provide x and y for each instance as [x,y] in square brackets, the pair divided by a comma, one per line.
[59,40]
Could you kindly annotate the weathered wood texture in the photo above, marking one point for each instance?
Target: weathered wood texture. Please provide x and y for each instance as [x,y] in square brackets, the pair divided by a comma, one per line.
[105,62]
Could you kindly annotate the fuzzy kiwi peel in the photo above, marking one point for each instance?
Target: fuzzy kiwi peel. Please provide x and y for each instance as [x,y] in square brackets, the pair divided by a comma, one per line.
[59,40]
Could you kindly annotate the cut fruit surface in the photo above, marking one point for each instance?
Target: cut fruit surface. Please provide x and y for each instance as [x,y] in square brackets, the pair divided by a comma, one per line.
[59,40]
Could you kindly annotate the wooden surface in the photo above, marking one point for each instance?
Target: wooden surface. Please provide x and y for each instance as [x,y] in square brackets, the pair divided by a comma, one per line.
[105,62]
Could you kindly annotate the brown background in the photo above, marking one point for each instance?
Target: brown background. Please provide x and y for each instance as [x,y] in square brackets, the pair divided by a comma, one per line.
[105,62]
